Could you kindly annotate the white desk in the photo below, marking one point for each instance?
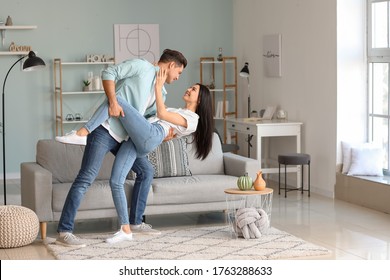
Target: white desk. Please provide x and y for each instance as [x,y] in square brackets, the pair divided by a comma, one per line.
[267,128]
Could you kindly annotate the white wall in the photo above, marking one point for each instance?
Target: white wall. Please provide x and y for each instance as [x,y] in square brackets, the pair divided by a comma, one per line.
[307,89]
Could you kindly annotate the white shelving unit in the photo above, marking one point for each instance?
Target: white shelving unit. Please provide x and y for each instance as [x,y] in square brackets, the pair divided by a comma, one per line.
[225,83]
[60,93]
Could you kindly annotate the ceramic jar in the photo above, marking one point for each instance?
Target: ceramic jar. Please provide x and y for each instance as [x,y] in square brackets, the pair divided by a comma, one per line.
[259,184]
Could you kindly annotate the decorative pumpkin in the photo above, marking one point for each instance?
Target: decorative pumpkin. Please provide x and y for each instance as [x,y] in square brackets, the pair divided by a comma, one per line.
[245,182]
[259,184]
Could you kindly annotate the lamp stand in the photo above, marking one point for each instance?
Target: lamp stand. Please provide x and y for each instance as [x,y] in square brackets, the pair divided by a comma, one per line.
[250,136]
[3,130]
[249,104]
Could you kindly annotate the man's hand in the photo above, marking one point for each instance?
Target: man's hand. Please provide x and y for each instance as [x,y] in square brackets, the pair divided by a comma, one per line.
[115,110]
[170,135]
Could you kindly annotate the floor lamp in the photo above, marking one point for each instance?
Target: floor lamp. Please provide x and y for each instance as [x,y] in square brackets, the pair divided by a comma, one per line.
[31,63]
[245,74]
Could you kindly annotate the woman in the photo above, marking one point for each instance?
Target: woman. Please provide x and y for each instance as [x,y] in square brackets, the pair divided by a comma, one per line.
[144,136]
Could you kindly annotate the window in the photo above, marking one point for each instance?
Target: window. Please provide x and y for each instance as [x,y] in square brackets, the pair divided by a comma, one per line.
[378,50]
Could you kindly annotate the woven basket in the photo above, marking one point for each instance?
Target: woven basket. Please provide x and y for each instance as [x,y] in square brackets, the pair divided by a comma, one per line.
[19,226]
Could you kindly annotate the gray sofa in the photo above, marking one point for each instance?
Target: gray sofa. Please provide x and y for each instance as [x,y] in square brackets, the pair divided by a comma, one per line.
[46,182]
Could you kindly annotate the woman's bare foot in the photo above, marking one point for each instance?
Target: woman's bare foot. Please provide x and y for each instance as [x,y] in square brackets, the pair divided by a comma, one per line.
[126,229]
[124,234]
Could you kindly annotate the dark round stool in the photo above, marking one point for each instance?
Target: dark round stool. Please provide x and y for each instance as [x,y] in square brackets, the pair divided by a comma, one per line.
[294,159]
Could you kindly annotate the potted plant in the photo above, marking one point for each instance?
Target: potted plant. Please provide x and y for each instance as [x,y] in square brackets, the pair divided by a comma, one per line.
[86,85]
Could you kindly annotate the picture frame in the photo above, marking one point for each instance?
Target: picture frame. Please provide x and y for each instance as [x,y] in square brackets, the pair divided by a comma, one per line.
[272,55]
[269,113]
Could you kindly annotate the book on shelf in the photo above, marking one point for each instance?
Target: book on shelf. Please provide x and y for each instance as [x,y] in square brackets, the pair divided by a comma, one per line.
[219,111]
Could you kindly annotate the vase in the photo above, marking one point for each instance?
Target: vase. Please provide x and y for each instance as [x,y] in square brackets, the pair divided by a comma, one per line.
[259,184]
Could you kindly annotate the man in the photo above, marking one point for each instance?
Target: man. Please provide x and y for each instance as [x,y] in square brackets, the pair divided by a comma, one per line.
[134,81]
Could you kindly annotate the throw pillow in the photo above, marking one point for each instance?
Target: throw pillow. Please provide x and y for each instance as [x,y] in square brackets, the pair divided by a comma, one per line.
[366,161]
[170,159]
[346,150]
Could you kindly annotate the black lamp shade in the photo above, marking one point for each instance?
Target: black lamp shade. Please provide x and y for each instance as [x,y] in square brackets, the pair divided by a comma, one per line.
[33,62]
[245,71]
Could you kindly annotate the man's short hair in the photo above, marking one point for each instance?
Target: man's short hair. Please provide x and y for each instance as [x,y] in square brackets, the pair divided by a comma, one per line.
[175,56]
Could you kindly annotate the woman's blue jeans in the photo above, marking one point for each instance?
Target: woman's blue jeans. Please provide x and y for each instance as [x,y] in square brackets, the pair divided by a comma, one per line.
[145,136]
[99,143]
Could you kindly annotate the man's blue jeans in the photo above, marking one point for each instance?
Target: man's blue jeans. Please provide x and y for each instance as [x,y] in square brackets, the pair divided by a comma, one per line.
[99,143]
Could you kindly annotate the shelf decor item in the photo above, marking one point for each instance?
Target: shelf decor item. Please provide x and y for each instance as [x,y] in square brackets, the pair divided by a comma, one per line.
[259,184]
[220,57]
[15,48]
[9,21]
[245,182]
[78,117]
[96,83]
[86,85]
[31,63]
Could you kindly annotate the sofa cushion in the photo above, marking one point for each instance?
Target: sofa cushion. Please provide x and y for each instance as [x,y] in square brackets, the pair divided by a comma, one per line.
[97,197]
[170,159]
[212,164]
[191,189]
[64,160]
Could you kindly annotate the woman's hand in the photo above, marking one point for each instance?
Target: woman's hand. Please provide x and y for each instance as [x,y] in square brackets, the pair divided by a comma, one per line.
[161,77]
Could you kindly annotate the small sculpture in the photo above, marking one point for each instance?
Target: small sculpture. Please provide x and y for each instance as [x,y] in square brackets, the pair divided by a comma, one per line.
[9,21]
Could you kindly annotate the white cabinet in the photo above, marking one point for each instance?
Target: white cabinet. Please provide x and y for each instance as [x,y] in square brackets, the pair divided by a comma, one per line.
[221,78]
[73,106]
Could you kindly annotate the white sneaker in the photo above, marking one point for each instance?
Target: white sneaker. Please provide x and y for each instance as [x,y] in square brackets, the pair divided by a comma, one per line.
[119,237]
[144,229]
[72,138]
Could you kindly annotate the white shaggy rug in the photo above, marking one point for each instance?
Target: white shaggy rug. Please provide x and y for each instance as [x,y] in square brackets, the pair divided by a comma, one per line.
[205,243]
